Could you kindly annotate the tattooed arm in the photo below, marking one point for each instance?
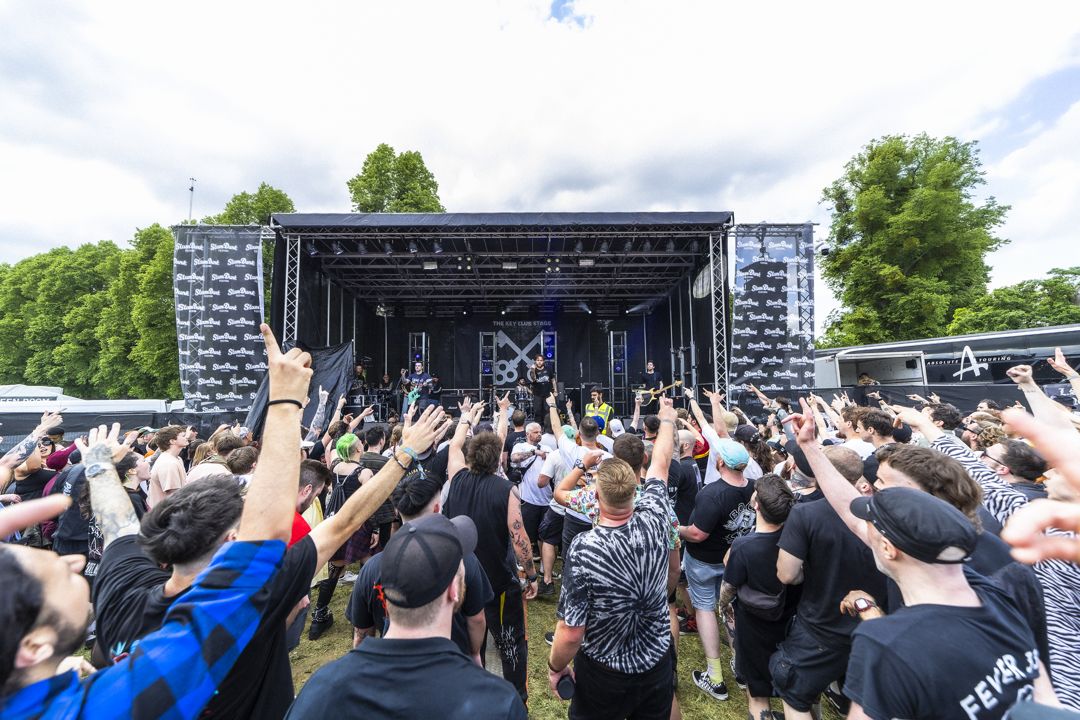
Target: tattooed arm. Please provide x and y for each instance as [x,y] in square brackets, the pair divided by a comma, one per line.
[727,594]
[520,540]
[113,510]
[316,426]
[17,455]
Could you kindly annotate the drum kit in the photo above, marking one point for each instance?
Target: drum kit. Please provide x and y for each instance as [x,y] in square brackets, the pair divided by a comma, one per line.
[361,396]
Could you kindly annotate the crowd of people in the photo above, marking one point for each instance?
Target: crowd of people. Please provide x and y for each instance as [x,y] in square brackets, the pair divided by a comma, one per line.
[897,561]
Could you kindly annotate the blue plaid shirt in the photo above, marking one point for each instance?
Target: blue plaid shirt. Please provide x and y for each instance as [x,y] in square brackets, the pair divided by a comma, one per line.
[171,673]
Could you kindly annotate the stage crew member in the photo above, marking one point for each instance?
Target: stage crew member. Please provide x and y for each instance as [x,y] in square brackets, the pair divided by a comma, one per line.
[542,380]
[600,409]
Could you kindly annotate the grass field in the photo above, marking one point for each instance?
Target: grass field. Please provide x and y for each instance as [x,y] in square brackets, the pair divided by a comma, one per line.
[543,704]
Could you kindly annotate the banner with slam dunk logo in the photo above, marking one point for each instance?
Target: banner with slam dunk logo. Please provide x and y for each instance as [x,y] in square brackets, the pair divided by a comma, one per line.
[772,337]
[218,289]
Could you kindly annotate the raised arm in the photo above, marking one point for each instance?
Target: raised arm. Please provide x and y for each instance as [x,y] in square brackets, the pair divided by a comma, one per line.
[333,419]
[502,417]
[837,490]
[316,426]
[456,460]
[1059,363]
[271,498]
[760,395]
[362,504]
[570,414]
[635,422]
[112,508]
[1042,407]
[716,405]
[664,445]
[17,455]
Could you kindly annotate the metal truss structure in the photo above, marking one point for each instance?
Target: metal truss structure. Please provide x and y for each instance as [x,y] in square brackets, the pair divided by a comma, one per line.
[720,331]
[292,288]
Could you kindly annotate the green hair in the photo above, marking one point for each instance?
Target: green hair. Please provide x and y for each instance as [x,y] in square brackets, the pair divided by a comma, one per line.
[345,445]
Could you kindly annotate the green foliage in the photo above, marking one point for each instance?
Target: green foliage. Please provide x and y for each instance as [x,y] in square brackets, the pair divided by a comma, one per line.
[908,241]
[391,182]
[153,314]
[253,208]
[1033,303]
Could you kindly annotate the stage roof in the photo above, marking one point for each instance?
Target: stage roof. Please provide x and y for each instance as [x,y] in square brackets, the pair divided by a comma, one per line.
[609,261]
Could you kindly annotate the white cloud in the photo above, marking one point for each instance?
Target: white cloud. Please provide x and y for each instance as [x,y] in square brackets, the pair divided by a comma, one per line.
[643,105]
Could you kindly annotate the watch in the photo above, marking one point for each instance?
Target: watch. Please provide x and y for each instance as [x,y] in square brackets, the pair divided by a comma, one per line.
[95,469]
[579,465]
[862,604]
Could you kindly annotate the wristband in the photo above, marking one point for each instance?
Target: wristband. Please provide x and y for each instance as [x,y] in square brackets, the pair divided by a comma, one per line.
[669,422]
[399,463]
[286,401]
[553,669]
[410,452]
[531,578]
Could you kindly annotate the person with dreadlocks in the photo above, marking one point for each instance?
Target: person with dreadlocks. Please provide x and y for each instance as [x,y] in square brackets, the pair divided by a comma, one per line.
[348,475]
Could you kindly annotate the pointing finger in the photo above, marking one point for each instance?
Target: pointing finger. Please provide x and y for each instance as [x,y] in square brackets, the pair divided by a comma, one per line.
[272,348]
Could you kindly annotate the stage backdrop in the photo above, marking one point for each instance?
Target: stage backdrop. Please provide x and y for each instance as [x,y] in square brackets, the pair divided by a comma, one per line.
[773,328]
[218,289]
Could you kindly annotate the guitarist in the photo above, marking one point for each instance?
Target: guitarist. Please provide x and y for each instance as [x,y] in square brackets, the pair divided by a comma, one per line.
[542,382]
[600,409]
[651,380]
[417,384]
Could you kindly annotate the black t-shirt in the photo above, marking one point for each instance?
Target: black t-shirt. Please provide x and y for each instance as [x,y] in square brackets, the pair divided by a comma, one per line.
[835,562]
[367,607]
[374,462]
[540,380]
[399,679]
[72,529]
[810,496]
[682,489]
[129,604]
[33,485]
[513,438]
[752,562]
[944,662]
[651,380]
[723,511]
[1030,490]
[484,498]
[435,466]
[989,521]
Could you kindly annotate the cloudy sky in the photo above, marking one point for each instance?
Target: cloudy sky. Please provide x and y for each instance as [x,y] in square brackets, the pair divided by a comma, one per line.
[109,108]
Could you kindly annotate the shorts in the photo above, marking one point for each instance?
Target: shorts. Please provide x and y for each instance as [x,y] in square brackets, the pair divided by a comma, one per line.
[531,516]
[802,666]
[605,693]
[550,530]
[703,580]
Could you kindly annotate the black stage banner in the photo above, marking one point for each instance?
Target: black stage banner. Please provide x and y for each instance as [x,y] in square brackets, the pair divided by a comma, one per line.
[331,370]
[218,290]
[773,329]
[517,343]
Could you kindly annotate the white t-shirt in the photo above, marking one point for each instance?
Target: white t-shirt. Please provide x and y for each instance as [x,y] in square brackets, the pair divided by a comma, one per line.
[860,446]
[529,490]
[753,470]
[571,453]
[554,469]
[712,473]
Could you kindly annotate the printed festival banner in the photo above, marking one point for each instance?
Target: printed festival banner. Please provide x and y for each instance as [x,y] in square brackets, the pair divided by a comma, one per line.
[218,290]
[773,329]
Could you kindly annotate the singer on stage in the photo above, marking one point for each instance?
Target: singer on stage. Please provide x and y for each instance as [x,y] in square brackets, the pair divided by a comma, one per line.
[542,380]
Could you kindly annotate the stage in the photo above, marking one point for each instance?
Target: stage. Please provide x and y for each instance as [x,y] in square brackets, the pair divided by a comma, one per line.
[475,296]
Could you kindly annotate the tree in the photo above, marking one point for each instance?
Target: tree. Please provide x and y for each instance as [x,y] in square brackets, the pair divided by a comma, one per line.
[389,182]
[1033,303]
[117,375]
[156,354]
[253,208]
[907,240]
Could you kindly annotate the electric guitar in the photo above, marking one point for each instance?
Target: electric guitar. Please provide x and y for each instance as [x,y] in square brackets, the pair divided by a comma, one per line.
[641,395]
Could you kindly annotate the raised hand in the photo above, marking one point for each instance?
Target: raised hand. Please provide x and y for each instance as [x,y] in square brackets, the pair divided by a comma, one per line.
[102,445]
[341,402]
[712,396]
[430,426]
[803,425]
[31,512]
[1020,374]
[1059,363]
[323,395]
[592,458]
[129,438]
[290,372]
[667,410]
[874,395]
[503,402]
[911,417]
[48,420]
[935,398]
[465,405]
[551,400]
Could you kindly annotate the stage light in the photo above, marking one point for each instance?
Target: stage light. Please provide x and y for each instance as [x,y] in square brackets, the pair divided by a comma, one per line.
[417,357]
[586,262]
[361,248]
[647,246]
[509,266]
[549,355]
[605,246]
[584,307]
[387,247]
[671,246]
[431,265]
[695,247]
[503,311]
[464,312]
[486,368]
[579,248]
[437,247]
[618,367]
[312,250]
[413,247]
[338,249]
[628,246]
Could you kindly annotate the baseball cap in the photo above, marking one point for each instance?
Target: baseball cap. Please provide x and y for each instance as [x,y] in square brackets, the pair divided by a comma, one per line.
[919,524]
[146,429]
[423,557]
[801,462]
[747,433]
[600,423]
[902,434]
[617,428]
[58,430]
[569,432]
[732,453]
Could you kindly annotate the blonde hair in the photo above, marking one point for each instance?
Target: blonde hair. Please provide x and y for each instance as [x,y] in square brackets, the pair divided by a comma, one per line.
[730,419]
[616,483]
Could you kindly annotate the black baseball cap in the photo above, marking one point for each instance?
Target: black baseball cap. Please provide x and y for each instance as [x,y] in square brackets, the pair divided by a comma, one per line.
[919,524]
[423,557]
[801,462]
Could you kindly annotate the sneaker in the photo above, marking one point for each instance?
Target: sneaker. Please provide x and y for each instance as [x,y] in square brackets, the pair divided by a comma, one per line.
[320,623]
[348,578]
[549,638]
[738,680]
[837,698]
[717,691]
[545,589]
[688,626]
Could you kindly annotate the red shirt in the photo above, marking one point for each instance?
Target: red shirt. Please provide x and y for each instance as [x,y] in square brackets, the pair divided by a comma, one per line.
[300,528]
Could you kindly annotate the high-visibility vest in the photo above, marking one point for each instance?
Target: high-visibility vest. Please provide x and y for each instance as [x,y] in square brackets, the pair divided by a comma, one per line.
[604,411]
